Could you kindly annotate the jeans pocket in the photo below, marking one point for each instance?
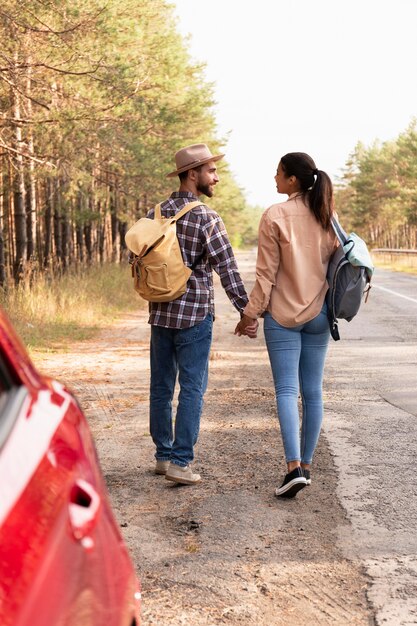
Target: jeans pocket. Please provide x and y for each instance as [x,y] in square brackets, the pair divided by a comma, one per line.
[197,332]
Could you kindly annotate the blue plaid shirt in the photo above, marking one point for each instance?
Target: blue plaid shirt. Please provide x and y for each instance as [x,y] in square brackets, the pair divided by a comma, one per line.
[203,239]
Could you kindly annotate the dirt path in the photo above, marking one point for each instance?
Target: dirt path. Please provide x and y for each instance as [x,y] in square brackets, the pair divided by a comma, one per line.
[226,551]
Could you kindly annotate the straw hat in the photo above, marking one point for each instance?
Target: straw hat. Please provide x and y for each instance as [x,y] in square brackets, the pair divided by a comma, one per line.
[193,156]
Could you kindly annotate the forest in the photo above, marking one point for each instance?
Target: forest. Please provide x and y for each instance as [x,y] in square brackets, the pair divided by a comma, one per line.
[377,193]
[95,100]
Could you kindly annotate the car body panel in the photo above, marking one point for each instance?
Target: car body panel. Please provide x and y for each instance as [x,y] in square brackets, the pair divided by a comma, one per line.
[62,558]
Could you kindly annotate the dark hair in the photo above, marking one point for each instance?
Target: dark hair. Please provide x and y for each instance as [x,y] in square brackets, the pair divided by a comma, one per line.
[319,190]
[184,175]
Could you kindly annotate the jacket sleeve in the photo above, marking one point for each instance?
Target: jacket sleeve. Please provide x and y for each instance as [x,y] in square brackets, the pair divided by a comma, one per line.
[267,264]
[219,254]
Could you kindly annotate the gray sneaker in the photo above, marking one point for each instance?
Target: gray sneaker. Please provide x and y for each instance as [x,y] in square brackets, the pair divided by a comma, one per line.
[182,475]
[161,467]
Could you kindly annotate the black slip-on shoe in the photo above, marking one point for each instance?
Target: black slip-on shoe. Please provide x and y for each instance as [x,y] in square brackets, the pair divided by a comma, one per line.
[293,482]
[307,476]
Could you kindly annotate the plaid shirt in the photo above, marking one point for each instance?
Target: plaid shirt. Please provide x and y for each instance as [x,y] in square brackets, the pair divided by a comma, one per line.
[203,238]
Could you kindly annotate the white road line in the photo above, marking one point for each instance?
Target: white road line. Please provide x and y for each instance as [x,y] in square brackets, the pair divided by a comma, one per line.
[395,293]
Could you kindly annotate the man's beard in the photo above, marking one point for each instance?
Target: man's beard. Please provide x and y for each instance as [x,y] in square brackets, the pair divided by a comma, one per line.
[205,189]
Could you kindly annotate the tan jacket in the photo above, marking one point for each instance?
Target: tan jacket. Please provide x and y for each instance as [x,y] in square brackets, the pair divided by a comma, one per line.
[291,267]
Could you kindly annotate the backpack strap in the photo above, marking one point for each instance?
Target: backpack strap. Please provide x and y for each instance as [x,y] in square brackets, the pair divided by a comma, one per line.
[340,233]
[184,210]
[188,207]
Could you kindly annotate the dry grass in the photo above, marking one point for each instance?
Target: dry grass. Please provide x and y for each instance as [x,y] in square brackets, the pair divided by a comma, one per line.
[404,264]
[397,267]
[52,312]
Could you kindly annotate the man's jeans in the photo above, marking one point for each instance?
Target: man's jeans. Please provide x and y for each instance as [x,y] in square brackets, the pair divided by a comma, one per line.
[297,357]
[184,351]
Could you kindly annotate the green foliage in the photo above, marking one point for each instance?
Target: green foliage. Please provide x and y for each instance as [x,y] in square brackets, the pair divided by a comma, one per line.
[378,194]
[106,93]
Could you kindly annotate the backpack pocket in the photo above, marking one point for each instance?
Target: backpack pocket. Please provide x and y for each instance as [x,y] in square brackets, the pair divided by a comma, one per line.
[349,285]
[157,278]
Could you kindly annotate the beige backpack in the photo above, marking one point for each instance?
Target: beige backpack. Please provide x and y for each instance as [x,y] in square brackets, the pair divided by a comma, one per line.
[158,268]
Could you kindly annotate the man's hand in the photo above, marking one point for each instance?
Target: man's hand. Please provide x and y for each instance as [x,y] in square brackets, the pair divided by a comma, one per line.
[247,326]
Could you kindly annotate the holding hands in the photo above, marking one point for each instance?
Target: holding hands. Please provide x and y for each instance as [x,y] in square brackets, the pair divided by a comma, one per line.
[247,326]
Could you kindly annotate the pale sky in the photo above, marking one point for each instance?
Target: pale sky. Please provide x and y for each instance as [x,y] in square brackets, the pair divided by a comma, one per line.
[313,76]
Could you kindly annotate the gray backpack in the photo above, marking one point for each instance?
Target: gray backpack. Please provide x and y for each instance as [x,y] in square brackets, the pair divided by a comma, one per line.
[349,276]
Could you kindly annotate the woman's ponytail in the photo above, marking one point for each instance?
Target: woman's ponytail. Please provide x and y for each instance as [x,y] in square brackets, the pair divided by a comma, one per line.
[320,199]
[314,183]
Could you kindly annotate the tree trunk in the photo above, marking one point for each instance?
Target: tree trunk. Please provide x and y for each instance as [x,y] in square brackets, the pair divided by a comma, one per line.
[19,192]
[31,191]
[79,243]
[66,235]
[122,233]
[2,255]
[8,215]
[101,240]
[114,205]
[57,226]
[88,242]
[48,222]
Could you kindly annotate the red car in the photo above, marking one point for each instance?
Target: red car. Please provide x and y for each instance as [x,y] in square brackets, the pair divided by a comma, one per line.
[62,558]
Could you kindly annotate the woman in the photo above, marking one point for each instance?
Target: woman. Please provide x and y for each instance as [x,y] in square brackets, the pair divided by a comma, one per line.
[295,243]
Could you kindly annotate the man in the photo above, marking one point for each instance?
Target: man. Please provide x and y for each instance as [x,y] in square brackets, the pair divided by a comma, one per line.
[181,330]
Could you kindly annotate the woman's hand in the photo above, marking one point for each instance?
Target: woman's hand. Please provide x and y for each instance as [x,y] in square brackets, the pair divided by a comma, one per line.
[247,326]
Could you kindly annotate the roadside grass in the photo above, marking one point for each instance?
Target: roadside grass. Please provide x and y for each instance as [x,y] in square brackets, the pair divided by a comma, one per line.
[395,266]
[53,312]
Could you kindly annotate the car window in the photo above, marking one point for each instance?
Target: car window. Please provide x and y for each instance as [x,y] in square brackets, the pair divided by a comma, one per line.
[11,400]
[6,378]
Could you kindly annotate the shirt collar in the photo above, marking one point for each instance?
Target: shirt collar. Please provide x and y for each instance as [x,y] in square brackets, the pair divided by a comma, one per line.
[183,194]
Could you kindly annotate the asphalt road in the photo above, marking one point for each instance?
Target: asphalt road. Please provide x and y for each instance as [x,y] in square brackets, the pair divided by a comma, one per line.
[371,426]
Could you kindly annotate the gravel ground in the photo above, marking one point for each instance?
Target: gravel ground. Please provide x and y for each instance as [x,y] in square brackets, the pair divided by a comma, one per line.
[225,551]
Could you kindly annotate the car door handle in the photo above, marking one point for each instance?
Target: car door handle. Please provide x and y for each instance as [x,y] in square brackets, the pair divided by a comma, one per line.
[84,507]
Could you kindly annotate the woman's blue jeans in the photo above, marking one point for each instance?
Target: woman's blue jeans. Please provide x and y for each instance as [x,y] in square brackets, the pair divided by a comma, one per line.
[297,357]
[185,352]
